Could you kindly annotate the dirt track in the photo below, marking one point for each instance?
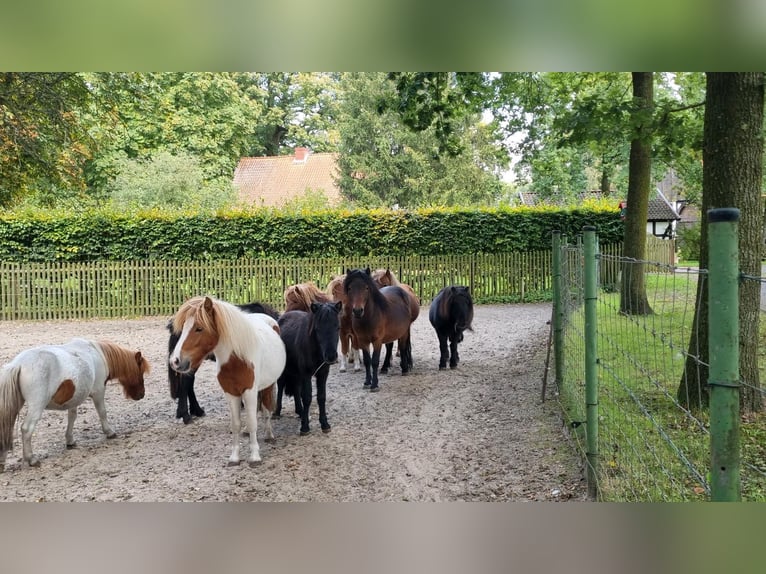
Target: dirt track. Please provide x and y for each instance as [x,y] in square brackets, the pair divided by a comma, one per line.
[476,433]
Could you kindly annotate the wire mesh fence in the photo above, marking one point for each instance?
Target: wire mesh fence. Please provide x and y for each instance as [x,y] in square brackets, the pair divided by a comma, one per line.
[654,440]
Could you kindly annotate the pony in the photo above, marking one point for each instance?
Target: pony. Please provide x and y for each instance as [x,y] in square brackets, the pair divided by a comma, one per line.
[311,341]
[61,377]
[249,355]
[378,316]
[451,313]
[385,278]
[301,296]
[182,385]
[348,351]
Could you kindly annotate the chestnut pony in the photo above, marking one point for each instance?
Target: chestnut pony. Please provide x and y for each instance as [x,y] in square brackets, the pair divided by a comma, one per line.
[61,377]
[348,352]
[249,355]
[378,316]
[385,278]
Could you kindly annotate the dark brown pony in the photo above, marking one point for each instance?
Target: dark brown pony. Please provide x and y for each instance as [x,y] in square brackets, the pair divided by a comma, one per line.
[378,316]
[336,293]
[386,278]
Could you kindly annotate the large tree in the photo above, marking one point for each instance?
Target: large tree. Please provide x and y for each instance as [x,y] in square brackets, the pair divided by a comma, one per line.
[731,177]
[633,300]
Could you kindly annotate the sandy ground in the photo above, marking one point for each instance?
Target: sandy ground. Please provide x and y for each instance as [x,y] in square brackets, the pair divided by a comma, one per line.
[478,433]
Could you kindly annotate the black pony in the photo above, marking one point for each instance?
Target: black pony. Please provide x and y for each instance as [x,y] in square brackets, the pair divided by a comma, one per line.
[451,313]
[182,386]
[311,341]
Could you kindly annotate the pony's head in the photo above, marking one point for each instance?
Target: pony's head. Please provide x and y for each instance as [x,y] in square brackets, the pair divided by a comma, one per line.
[301,296]
[359,288]
[325,327]
[197,324]
[461,307]
[128,367]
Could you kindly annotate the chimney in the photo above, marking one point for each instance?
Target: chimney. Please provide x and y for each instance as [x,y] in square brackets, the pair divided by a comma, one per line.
[301,155]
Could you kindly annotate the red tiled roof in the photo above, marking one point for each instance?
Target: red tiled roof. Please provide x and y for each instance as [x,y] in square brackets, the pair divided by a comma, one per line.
[272,181]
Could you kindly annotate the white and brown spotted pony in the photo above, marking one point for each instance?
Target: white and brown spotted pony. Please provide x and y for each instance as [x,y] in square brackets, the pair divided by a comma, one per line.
[250,356]
[61,377]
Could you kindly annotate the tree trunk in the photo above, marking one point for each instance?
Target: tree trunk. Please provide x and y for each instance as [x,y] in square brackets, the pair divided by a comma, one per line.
[633,300]
[606,184]
[732,158]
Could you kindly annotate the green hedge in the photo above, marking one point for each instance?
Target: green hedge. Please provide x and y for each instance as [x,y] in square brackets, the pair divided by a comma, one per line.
[100,235]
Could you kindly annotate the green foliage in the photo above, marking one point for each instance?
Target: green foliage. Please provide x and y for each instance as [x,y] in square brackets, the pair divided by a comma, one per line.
[688,242]
[103,234]
[167,180]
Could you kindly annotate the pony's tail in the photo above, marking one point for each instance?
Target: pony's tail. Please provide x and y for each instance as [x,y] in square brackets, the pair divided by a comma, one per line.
[11,401]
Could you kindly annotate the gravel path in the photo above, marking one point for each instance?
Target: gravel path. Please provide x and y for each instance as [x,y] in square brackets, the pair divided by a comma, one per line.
[477,433]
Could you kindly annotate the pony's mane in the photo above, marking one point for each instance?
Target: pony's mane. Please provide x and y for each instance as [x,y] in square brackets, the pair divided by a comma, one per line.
[121,362]
[302,295]
[378,274]
[227,320]
[336,284]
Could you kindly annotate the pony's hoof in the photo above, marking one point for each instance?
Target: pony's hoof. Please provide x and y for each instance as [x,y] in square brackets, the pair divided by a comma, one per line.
[71,446]
[305,432]
[374,389]
[342,370]
[253,463]
[232,463]
[453,366]
[442,367]
[112,435]
[198,412]
[327,429]
[276,415]
[366,385]
[270,440]
[186,419]
[34,462]
[384,371]
[2,468]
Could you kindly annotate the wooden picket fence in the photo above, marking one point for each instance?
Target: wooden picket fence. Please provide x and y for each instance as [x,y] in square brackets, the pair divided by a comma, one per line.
[46,291]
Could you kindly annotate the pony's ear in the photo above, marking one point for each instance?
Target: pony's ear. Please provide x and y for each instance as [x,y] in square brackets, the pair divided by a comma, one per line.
[348,270]
[367,270]
[453,289]
[338,306]
[314,307]
[208,304]
[467,290]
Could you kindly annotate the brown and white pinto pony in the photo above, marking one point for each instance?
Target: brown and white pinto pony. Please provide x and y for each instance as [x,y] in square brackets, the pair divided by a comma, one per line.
[378,316]
[349,352]
[61,377]
[250,357]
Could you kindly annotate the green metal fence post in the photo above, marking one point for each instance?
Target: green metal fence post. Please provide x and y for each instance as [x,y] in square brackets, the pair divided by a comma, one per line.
[723,347]
[558,312]
[591,357]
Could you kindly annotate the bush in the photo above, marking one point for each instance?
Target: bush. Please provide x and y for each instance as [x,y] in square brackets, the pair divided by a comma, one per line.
[104,235]
[688,242]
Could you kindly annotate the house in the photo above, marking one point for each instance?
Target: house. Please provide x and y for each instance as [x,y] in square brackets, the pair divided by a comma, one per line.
[275,180]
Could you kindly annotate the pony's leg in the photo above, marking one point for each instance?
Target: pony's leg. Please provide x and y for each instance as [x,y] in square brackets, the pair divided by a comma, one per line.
[405,357]
[374,363]
[322,397]
[235,404]
[443,350]
[267,421]
[387,359]
[34,412]
[454,357]
[280,390]
[3,454]
[344,352]
[194,407]
[305,390]
[250,398]
[98,402]
[357,354]
[367,368]
[69,434]
[182,410]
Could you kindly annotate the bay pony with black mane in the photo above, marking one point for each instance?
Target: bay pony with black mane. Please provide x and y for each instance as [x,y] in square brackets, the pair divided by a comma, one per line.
[378,316]
[61,377]
[249,356]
